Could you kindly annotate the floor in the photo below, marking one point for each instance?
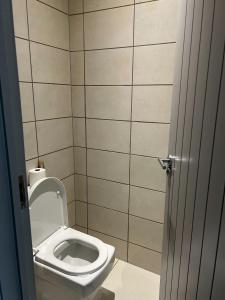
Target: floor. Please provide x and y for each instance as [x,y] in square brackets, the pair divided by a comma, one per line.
[128,282]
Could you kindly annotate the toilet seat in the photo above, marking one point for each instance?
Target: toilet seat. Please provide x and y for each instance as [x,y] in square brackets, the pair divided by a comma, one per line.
[46,252]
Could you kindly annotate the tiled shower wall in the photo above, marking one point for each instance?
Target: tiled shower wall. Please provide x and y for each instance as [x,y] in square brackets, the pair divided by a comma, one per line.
[122,61]
[42,42]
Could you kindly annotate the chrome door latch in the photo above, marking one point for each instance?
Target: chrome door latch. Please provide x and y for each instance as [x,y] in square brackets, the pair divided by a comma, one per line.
[167,164]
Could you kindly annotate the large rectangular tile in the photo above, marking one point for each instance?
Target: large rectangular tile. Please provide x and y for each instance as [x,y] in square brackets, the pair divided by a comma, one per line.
[154,64]
[128,282]
[150,139]
[78,102]
[108,165]
[146,172]
[108,135]
[108,102]
[79,132]
[23,60]
[81,214]
[51,28]
[59,170]
[27,103]
[81,229]
[52,101]
[69,186]
[80,160]
[109,28]
[120,246]
[81,188]
[109,67]
[58,4]
[54,135]
[144,258]
[152,103]
[90,5]
[147,204]
[108,221]
[20,18]
[145,233]
[155,22]
[71,213]
[77,68]
[108,194]
[30,141]
[76,32]
[50,65]
[75,6]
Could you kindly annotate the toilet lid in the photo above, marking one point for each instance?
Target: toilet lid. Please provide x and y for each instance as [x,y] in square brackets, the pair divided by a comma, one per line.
[48,208]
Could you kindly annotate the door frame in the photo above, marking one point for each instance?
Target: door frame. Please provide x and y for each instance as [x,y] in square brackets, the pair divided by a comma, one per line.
[14,171]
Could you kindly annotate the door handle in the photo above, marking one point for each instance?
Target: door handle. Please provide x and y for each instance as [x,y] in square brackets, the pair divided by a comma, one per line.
[167,164]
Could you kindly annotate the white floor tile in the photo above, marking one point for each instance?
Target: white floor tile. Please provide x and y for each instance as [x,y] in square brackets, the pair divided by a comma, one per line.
[130,282]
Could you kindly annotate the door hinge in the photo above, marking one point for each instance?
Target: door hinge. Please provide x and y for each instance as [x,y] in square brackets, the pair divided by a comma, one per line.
[22,191]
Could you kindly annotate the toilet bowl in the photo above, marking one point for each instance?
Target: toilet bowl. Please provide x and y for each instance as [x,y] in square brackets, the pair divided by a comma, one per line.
[68,264]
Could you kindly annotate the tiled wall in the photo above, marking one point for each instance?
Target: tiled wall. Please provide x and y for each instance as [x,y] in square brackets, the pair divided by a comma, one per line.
[42,42]
[122,60]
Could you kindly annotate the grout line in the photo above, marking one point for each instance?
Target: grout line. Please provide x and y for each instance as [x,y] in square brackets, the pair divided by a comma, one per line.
[55,151]
[114,181]
[124,47]
[119,211]
[110,8]
[43,44]
[50,119]
[32,83]
[85,110]
[122,120]
[59,10]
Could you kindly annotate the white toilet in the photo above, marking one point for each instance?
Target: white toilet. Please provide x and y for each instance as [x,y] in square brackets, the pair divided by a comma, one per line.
[69,265]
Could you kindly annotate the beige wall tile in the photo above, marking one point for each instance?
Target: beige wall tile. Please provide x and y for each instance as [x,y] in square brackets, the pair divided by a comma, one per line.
[52,101]
[59,4]
[20,18]
[50,65]
[81,229]
[81,214]
[75,6]
[109,28]
[120,246]
[80,160]
[81,188]
[69,186]
[108,221]
[156,22]
[144,258]
[108,67]
[154,64]
[59,164]
[108,102]
[30,141]
[77,68]
[145,233]
[27,104]
[76,32]
[108,165]
[51,28]
[71,213]
[54,135]
[23,60]
[147,204]
[90,5]
[152,103]
[108,194]
[150,139]
[108,135]
[146,172]
[78,101]
[79,132]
